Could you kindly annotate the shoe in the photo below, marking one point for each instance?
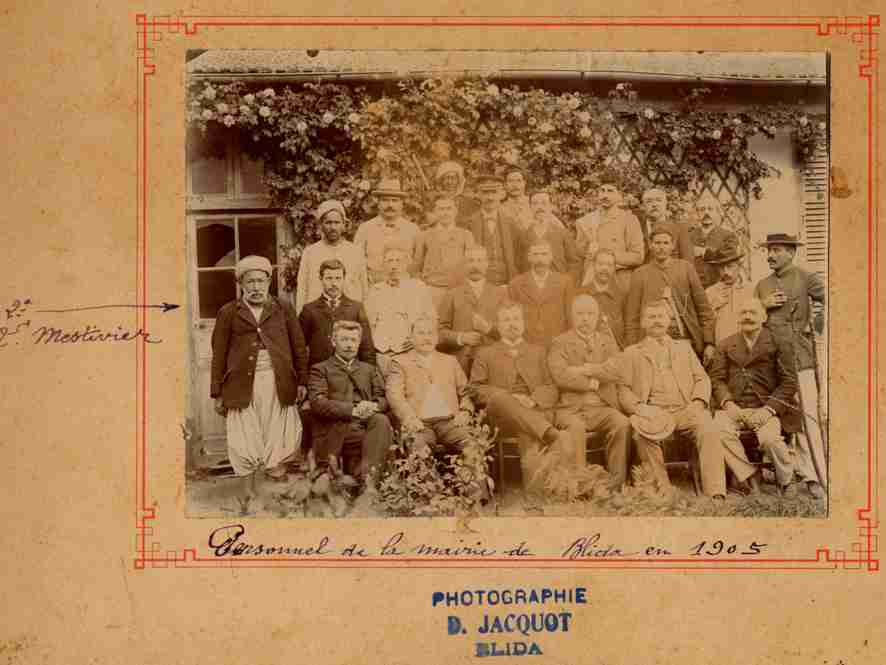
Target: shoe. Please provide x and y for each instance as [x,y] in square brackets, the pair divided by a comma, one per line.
[754,482]
[718,498]
[788,490]
[815,490]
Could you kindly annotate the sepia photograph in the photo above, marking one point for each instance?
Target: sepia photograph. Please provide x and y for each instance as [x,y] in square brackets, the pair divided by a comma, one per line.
[506,283]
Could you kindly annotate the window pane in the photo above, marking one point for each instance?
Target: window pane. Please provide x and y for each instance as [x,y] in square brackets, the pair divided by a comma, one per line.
[259,236]
[209,176]
[215,243]
[215,289]
[251,174]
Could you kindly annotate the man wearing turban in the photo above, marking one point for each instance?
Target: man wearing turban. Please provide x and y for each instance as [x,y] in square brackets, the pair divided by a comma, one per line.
[450,180]
[333,222]
[259,374]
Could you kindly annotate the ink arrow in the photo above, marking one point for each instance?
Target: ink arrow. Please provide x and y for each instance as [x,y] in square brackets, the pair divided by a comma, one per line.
[166,307]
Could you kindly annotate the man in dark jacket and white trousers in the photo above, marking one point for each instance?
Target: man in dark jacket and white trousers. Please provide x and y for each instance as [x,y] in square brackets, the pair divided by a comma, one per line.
[348,406]
[259,372]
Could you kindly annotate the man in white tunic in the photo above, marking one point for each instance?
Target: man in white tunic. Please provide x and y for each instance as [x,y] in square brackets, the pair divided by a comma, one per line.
[332,220]
[393,305]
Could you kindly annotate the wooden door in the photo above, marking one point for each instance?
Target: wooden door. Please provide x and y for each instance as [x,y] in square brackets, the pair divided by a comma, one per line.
[215,243]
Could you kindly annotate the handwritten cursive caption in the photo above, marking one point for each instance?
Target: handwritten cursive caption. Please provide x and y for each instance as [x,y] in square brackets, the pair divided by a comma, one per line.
[18,328]
[230,541]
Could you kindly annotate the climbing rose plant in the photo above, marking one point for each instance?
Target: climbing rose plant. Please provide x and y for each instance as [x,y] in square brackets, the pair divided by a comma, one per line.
[324,140]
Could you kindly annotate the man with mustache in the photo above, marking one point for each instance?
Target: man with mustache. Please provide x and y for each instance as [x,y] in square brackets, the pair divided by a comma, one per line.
[730,291]
[333,222]
[516,205]
[584,367]
[675,282]
[468,311]
[708,237]
[259,374]
[450,180]
[754,382]
[655,209]
[544,294]
[393,305]
[510,379]
[348,406]
[601,285]
[794,300]
[546,226]
[428,394]
[495,231]
[318,316]
[661,374]
[611,227]
[440,250]
[389,226]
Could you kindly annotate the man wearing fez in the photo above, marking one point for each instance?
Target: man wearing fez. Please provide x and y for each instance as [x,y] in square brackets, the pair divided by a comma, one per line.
[318,316]
[389,226]
[755,381]
[728,293]
[428,394]
[708,236]
[393,305]
[493,230]
[333,246]
[675,282]
[259,372]
[348,406]
[665,388]
[655,208]
[546,226]
[467,312]
[440,250]
[600,283]
[794,300]
[544,294]
[584,369]
[611,227]
[450,180]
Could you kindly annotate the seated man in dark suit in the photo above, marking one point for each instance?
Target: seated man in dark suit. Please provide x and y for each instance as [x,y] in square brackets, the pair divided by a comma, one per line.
[318,316]
[348,406]
[510,379]
[754,381]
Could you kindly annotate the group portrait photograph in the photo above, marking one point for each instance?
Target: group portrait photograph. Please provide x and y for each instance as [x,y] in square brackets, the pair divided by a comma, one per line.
[506,283]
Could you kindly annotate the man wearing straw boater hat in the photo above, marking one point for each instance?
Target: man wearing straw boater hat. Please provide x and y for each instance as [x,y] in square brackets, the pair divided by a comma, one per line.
[259,374]
[389,226]
[794,300]
[333,222]
[729,291]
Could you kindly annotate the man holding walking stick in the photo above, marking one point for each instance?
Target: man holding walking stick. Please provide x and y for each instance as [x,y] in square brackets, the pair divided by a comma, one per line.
[794,301]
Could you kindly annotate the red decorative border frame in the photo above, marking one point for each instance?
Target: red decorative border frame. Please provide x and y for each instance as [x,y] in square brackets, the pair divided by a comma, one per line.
[863,31]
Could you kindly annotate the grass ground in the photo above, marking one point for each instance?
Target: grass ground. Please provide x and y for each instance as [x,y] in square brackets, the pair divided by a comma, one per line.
[216,497]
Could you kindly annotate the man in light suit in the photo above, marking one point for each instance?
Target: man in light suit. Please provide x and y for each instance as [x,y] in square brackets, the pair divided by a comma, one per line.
[495,231]
[428,393]
[545,295]
[582,364]
[510,379]
[665,373]
[467,312]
